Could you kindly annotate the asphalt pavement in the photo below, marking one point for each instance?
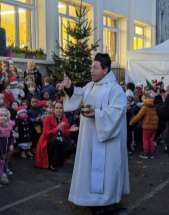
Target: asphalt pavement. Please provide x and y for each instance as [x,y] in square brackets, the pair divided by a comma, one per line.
[43,192]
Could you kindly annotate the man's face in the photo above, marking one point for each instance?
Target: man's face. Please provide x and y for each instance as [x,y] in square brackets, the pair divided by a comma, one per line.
[97,72]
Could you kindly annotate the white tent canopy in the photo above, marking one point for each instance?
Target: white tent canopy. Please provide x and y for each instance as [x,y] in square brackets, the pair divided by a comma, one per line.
[149,64]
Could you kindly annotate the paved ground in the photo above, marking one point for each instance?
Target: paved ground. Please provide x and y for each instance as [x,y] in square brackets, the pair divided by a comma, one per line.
[42,192]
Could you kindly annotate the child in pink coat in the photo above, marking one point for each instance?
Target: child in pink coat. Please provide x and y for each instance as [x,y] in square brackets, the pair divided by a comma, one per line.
[6,143]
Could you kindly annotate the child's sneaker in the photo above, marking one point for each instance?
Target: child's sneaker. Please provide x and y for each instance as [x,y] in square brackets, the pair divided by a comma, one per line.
[23,155]
[29,154]
[9,172]
[143,156]
[4,179]
[151,157]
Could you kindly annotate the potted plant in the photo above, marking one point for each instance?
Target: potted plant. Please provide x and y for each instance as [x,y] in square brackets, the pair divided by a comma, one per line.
[25,52]
[40,54]
[19,52]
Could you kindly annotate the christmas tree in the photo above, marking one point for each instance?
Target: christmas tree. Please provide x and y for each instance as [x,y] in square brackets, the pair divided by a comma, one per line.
[75,60]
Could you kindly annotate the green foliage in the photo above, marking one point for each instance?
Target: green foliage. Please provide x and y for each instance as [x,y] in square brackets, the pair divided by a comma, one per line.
[75,60]
[26,52]
[149,85]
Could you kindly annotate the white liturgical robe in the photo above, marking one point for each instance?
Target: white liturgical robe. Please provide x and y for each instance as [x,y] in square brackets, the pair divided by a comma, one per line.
[100,175]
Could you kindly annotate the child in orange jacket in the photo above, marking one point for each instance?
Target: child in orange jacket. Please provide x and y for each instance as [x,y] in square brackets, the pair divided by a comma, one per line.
[150,120]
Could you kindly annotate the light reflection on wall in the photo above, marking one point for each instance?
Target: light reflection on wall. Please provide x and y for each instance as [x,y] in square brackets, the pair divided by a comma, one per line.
[110,36]
[25,28]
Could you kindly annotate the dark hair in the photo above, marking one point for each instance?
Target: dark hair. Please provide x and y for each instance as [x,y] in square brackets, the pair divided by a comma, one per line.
[104,60]
[47,79]
[131,86]
[56,102]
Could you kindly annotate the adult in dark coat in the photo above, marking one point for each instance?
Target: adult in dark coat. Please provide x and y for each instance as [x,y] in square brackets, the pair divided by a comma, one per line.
[164,112]
[32,75]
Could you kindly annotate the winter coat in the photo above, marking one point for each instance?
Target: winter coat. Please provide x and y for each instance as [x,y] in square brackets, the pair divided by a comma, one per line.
[24,131]
[163,110]
[8,98]
[148,115]
[36,76]
[50,128]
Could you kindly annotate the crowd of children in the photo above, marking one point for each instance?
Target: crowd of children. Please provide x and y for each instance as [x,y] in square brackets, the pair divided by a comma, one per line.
[147,117]
[26,102]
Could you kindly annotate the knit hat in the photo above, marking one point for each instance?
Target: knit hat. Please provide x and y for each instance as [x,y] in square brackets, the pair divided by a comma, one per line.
[139,85]
[20,110]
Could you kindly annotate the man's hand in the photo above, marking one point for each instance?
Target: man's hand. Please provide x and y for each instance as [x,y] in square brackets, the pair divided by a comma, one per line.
[65,84]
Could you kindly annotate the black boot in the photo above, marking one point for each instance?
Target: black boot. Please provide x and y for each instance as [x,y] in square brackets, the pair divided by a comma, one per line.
[98,211]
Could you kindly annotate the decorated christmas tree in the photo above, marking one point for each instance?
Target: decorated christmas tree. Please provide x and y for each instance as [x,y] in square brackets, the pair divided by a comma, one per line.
[75,60]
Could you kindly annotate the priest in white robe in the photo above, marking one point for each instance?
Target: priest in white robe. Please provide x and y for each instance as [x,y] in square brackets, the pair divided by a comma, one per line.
[100,175]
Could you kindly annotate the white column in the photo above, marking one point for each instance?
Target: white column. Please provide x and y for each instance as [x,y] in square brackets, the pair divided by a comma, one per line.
[52,26]
[130,24]
[98,22]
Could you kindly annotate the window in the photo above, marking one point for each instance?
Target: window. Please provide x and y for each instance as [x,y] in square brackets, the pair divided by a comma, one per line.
[7,21]
[25,36]
[142,36]
[138,42]
[110,36]
[67,15]
[17,22]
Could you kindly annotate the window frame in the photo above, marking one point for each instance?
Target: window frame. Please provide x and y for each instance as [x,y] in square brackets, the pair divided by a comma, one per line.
[68,18]
[27,6]
[117,40]
[137,36]
[71,18]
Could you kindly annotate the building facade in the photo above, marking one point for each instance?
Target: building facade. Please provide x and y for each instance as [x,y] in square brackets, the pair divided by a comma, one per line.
[162,32]
[120,25]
